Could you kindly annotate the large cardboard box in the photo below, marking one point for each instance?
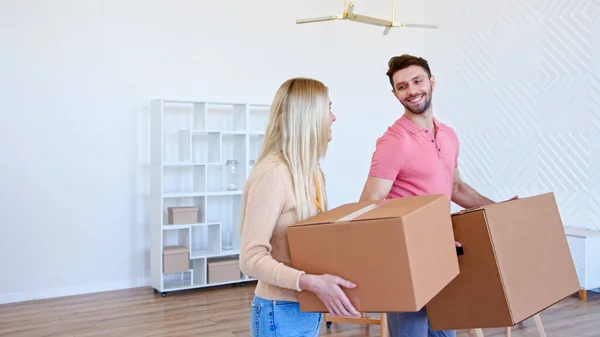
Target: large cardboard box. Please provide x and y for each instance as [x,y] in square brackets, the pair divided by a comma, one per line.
[399,252]
[516,263]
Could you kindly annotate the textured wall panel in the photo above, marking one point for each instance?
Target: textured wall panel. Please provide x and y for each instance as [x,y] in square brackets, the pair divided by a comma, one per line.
[520,82]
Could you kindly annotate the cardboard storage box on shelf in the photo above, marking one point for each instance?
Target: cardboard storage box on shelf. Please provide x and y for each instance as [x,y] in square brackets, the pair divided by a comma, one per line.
[175,259]
[223,270]
[183,215]
[516,263]
[399,252]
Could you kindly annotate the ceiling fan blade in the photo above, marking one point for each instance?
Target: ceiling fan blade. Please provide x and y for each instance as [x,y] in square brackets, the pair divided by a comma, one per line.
[415,25]
[370,20]
[319,19]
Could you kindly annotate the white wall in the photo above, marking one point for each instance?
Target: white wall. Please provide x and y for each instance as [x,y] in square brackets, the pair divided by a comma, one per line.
[520,81]
[76,78]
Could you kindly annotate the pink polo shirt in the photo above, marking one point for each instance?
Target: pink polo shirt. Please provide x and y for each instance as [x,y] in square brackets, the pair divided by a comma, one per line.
[416,162]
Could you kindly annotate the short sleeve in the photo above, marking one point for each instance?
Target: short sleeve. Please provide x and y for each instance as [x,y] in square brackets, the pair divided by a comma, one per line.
[387,160]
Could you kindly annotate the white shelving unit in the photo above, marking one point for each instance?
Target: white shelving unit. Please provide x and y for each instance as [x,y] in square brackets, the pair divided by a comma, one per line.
[191,145]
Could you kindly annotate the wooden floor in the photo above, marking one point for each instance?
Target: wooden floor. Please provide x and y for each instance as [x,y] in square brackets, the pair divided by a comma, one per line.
[221,312]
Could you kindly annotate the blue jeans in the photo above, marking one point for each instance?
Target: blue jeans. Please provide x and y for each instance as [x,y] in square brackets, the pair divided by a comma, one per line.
[414,324]
[282,319]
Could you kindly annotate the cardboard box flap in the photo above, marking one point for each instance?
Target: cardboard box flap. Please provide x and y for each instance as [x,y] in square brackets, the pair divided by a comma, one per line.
[183,209]
[336,214]
[400,207]
[168,250]
[485,207]
[370,210]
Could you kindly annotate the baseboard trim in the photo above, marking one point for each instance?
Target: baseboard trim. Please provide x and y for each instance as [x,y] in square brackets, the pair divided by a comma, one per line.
[70,291]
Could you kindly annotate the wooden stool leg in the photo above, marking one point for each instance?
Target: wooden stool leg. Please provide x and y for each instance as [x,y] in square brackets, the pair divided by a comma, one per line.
[384,332]
[540,327]
[508,332]
[327,321]
[478,332]
[583,295]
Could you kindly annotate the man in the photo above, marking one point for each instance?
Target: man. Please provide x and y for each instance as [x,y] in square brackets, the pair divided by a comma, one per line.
[417,155]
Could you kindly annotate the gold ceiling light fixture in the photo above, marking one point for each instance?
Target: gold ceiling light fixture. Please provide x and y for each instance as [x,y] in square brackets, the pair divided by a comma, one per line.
[349,14]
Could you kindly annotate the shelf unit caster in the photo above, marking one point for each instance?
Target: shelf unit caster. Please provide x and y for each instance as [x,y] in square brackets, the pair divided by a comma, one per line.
[163,294]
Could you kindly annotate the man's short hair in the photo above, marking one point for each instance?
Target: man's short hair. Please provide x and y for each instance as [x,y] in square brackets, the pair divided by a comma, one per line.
[404,61]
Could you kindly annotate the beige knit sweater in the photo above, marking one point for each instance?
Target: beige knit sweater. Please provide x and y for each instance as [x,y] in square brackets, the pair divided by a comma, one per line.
[264,254]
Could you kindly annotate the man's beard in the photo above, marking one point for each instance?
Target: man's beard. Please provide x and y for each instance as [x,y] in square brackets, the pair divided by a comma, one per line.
[421,108]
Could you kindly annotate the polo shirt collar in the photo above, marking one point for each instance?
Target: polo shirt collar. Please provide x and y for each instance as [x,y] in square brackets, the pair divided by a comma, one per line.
[415,129]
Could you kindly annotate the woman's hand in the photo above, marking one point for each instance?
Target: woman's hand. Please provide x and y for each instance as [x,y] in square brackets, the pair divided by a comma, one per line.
[329,290]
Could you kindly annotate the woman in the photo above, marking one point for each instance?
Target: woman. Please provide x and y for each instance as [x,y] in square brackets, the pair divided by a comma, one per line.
[285,186]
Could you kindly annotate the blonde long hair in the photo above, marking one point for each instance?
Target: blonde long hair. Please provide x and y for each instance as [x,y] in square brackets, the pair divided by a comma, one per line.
[298,135]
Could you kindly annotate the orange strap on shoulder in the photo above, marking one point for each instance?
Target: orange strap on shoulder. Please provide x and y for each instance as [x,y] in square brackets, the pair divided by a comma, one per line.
[318,201]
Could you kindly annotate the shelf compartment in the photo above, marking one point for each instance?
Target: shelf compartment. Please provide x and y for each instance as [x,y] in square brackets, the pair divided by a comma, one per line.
[227,209]
[176,116]
[179,237]
[215,178]
[234,148]
[218,176]
[227,117]
[203,146]
[199,116]
[184,179]
[199,267]
[177,281]
[255,144]
[258,118]
[205,240]
[198,201]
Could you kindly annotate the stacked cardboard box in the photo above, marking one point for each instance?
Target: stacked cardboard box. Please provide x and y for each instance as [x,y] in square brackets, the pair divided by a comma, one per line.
[402,256]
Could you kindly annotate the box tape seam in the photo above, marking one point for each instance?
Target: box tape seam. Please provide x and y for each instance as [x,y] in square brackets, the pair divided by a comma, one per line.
[360,212]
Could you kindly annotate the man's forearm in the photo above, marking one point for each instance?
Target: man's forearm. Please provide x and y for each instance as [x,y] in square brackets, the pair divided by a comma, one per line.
[465,196]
